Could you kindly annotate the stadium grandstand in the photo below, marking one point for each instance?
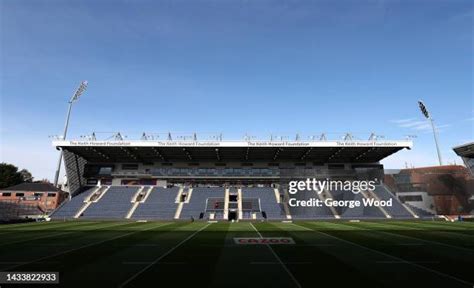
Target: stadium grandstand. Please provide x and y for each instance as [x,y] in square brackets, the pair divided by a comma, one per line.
[466,152]
[220,180]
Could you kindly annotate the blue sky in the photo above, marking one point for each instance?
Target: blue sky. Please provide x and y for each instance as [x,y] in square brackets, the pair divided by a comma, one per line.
[236,67]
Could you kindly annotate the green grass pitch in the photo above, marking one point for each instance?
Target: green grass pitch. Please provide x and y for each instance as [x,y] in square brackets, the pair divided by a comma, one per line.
[201,254]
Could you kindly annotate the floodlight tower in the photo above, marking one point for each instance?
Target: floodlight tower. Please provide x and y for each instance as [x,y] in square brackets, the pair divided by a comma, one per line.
[427,115]
[73,99]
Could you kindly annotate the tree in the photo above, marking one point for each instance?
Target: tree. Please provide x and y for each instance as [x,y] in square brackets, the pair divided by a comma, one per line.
[9,175]
[26,175]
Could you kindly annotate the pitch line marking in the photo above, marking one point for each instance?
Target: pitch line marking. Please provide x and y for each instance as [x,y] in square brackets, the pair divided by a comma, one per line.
[33,239]
[134,276]
[58,234]
[429,241]
[84,246]
[455,229]
[39,228]
[278,259]
[9,227]
[416,238]
[48,227]
[389,256]
[430,224]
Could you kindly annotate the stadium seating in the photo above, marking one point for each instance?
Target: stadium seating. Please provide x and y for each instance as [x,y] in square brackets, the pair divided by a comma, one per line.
[233,190]
[396,210]
[257,172]
[218,216]
[116,203]
[10,210]
[268,202]
[160,204]
[72,207]
[250,204]
[215,204]
[356,212]
[420,212]
[197,203]
[246,215]
[322,212]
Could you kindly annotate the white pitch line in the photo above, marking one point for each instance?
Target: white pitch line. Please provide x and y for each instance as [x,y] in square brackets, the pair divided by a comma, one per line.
[39,228]
[58,234]
[12,227]
[278,259]
[36,238]
[84,246]
[430,242]
[418,239]
[134,276]
[389,256]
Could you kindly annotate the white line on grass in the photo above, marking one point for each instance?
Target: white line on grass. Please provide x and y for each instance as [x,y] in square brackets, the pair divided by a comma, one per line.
[372,228]
[428,225]
[429,241]
[423,240]
[8,227]
[40,227]
[278,259]
[408,237]
[134,276]
[84,246]
[388,256]
[60,234]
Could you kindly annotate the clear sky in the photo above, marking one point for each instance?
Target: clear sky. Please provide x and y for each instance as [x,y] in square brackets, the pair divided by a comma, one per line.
[236,67]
